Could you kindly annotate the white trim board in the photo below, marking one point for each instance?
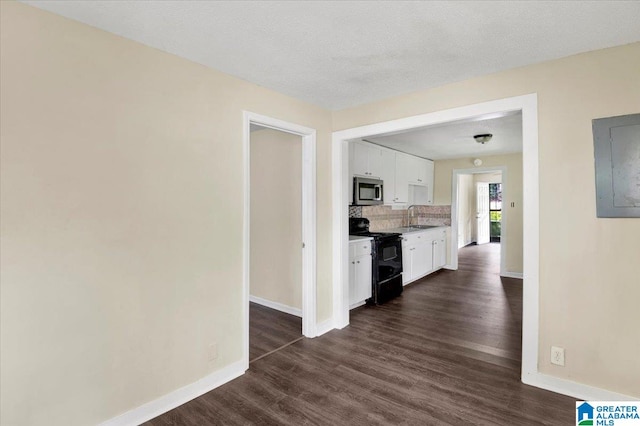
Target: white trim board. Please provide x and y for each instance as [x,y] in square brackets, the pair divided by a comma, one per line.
[275,305]
[324,327]
[574,389]
[308,221]
[528,104]
[453,243]
[507,274]
[178,397]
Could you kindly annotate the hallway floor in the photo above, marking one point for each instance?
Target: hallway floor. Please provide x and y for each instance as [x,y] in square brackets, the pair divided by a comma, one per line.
[270,329]
[447,352]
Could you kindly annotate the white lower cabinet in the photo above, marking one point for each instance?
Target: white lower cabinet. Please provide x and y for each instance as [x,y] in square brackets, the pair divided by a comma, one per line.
[422,253]
[440,252]
[359,272]
[421,259]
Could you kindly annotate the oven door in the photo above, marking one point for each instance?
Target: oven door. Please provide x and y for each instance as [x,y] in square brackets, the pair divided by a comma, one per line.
[389,257]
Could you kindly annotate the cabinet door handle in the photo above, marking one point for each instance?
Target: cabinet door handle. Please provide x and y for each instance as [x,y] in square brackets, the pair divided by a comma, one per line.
[353,263]
[358,261]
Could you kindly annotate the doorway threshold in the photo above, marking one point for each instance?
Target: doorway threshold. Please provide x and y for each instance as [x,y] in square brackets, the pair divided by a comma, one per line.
[276,350]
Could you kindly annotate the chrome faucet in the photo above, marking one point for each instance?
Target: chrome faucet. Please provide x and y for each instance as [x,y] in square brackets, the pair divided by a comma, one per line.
[409,217]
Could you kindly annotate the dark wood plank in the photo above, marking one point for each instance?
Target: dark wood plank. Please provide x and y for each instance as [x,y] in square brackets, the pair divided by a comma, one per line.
[270,329]
[447,352]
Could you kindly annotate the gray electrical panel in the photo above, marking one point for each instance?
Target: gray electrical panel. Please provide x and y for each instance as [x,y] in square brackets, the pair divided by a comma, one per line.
[616,142]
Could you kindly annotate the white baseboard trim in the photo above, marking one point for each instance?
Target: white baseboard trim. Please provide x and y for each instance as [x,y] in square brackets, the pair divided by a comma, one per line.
[324,327]
[277,306]
[517,275]
[357,305]
[573,389]
[178,397]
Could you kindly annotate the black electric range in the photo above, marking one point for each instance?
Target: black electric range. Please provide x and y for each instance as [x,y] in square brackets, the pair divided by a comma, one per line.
[386,260]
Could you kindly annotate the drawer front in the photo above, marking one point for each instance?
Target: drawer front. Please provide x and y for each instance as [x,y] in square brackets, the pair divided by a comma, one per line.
[438,234]
[360,248]
[414,238]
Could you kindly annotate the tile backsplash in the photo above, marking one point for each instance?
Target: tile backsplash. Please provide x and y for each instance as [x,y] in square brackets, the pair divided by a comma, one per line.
[383,217]
[355,211]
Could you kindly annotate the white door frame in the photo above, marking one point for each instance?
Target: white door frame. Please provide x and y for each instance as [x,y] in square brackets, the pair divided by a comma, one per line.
[528,104]
[453,243]
[308,222]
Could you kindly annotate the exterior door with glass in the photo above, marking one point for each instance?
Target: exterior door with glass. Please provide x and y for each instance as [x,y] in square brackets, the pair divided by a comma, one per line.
[482,213]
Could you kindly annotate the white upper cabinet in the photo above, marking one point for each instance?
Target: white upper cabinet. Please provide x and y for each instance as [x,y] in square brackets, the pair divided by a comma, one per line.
[398,171]
[389,176]
[429,181]
[416,169]
[375,161]
[403,162]
[366,160]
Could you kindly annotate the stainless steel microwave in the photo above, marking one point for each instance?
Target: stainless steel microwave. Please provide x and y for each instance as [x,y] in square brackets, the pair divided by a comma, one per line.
[367,191]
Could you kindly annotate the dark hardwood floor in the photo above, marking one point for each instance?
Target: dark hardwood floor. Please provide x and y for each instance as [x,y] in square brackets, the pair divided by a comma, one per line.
[270,329]
[447,352]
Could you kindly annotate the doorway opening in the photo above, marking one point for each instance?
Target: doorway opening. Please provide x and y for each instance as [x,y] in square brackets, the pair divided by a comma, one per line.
[275,288]
[279,244]
[527,105]
[477,216]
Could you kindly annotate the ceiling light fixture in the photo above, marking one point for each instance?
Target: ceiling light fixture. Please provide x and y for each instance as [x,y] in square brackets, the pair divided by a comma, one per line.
[483,138]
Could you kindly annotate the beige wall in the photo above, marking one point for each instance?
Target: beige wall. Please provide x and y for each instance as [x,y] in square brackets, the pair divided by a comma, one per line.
[488,177]
[466,210]
[589,267]
[122,218]
[513,193]
[276,217]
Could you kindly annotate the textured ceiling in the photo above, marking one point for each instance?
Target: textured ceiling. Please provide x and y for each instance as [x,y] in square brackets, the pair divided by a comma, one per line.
[455,139]
[344,53]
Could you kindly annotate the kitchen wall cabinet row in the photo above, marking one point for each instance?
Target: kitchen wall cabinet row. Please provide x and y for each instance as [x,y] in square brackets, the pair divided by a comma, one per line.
[407,179]
[359,272]
[423,253]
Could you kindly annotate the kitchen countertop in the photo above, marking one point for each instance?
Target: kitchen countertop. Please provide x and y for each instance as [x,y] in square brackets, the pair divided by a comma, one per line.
[354,238]
[408,230]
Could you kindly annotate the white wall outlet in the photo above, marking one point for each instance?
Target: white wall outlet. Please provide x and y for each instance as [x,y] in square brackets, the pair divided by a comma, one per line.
[212,351]
[557,355]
